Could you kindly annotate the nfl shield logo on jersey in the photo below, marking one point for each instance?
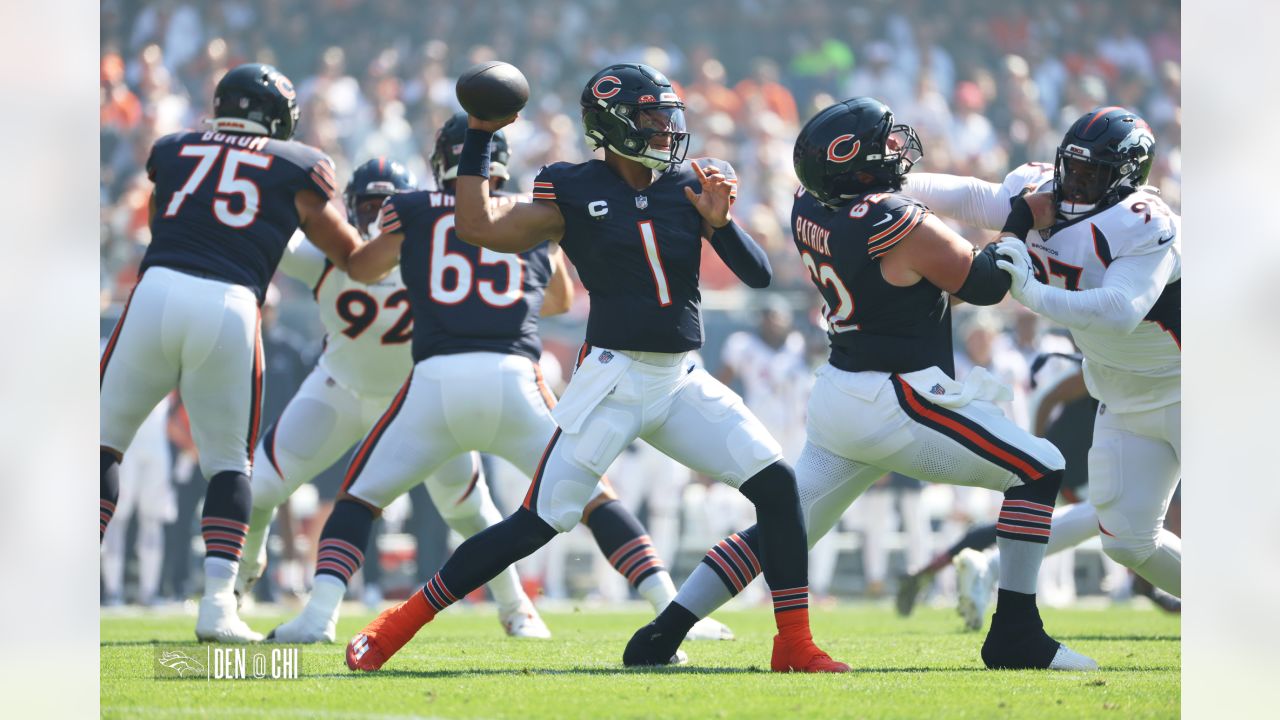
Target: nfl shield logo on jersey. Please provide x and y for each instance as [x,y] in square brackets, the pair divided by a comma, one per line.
[605,357]
[937,389]
[642,202]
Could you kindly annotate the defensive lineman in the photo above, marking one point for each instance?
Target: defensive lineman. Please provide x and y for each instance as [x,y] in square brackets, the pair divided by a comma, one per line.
[887,400]
[366,357]
[635,238]
[1109,268]
[225,205]
[475,385]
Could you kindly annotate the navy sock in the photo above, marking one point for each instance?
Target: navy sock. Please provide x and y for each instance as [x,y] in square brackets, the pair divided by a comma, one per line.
[108,489]
[342,542]
[482,556]
[784,548]
[978,538]
[225,519]
[623,540]
[735,559]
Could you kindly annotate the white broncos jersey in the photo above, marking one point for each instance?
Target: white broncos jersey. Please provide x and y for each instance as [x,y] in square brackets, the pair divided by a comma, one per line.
[1130,372]
[368,328]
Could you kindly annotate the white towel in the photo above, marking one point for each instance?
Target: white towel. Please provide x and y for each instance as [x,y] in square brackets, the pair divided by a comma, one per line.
[591,383]
[934,386]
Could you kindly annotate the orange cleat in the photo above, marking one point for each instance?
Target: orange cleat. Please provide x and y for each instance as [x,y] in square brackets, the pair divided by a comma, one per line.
[799,654]
[382,638]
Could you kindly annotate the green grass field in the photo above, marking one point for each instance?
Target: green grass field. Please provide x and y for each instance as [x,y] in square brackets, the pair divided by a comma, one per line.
[461,666]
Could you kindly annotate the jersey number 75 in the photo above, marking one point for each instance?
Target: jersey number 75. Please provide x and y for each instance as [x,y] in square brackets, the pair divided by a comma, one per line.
[229,182]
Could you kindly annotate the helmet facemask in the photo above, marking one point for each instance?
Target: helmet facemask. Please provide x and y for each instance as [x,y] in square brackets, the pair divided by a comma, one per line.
[363,212]
[652,135]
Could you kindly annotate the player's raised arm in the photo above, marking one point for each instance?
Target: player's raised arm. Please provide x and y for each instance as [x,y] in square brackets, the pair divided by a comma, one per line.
[372,261]
[739,250]
[940,255]
[508,228]
[1130,288]
[326,227]
[974,201]
[559,297]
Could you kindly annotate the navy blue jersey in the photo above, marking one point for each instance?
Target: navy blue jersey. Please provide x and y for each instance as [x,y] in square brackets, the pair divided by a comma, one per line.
[225,203]
[636,251]
[464,298]
[872,325]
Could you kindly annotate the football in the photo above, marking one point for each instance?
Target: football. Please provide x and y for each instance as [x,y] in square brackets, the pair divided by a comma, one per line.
[492,90]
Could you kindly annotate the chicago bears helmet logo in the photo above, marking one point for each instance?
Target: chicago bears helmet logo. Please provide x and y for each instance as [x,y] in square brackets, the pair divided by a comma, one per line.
[604,93]
[846,157]
[285,87]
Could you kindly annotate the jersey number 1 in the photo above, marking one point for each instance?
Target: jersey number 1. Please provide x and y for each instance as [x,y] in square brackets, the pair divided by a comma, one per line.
[650,240]
[228,183]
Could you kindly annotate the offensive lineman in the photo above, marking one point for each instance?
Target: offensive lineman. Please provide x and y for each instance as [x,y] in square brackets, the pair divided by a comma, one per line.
[887,400]
[635,238]
[366,358]
[475,385]
[225,205]
[1110,269]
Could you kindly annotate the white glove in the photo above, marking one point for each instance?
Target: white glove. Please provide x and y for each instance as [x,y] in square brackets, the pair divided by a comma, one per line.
[1023,285]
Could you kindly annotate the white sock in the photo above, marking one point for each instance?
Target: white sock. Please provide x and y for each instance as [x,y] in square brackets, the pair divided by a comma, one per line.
[219,576]
[255,541]
[1019,564]
[658,590]
[703,592]
[326,596]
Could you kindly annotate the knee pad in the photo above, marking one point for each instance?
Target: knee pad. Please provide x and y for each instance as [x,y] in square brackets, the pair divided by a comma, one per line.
[269,489]
[1128,549]
[773,486]
[1043,491]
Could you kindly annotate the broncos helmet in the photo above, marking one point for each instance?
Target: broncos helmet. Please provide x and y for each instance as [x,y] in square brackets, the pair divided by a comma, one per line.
[625,106]
[256,99]
[1106,155]
[853,147]
[449,139]
[376,179]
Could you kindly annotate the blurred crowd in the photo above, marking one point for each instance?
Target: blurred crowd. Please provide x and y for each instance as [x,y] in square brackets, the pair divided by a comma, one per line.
[988,85]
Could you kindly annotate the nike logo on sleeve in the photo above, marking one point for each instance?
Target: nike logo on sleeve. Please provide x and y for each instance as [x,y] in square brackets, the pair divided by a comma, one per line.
[887,218]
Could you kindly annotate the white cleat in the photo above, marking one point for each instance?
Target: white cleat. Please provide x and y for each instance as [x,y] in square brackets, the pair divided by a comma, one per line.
[305,630]
[1068,659]
[680,658]
[709,629]
[525,622]
[973,586]
[219,622]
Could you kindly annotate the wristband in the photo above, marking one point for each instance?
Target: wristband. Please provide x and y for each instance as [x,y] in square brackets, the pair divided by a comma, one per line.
[1021,220]
[474,159]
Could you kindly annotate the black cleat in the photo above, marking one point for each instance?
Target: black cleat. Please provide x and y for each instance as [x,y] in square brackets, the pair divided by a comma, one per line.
[650,646]
[1024,645]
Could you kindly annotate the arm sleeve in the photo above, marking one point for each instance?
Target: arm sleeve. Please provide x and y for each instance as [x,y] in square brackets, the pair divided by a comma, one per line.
[743,255]
[302,260]
[1130,287]
[970,200]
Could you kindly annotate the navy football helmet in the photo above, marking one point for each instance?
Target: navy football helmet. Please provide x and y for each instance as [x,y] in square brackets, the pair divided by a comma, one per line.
[255,99]
[627,107]
[377,180]
[1106,155]
[449,139]
[854,147]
